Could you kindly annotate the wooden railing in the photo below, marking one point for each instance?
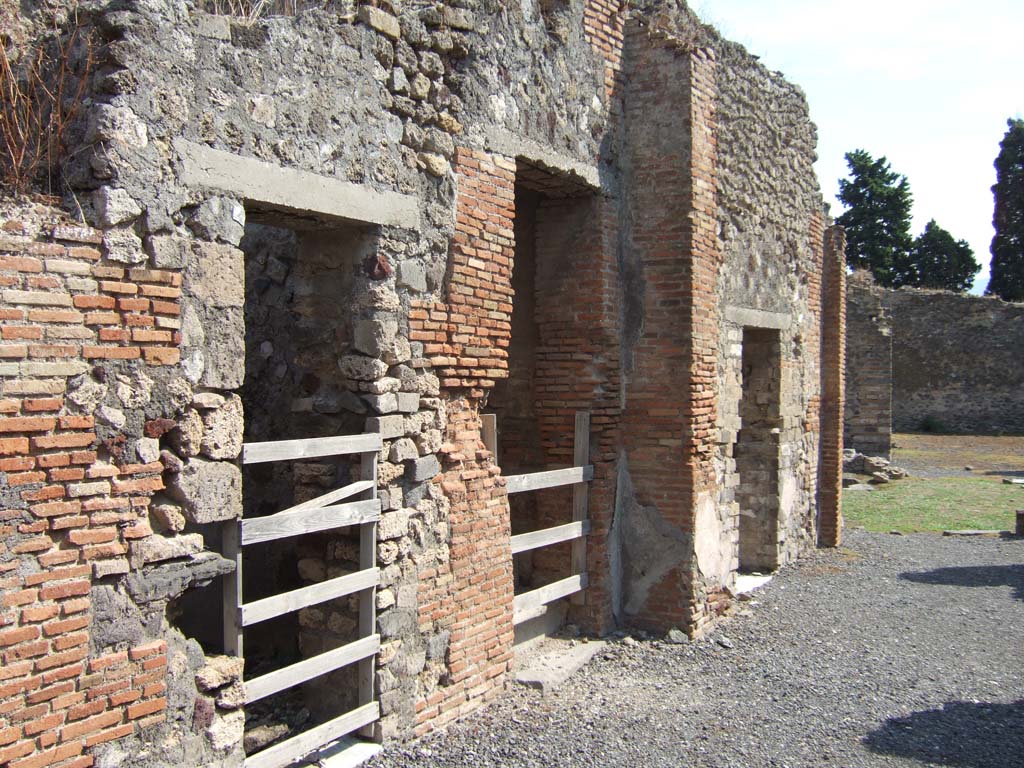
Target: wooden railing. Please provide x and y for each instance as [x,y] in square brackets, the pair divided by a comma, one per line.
[532,604]
[320,514]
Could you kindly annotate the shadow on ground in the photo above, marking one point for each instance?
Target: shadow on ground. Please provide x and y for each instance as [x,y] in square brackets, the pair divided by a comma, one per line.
[963,733]
[973,576]
[1006,472]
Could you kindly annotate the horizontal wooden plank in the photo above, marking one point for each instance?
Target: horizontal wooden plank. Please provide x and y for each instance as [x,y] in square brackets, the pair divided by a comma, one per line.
[281,525]
[524,542]
[551,479]
[296,599]
[526,606]
[339,494]
[289,751]
[294,674]
[310,448]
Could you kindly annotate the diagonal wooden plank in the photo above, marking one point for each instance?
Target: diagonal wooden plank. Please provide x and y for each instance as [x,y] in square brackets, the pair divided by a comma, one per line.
[339,494]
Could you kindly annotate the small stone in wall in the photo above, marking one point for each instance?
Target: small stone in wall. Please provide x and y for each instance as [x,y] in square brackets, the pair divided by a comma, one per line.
[187,438]
[312,569]
[219,218]
[210,491]
[134,390]
[124,246]
[207,400]
[227,731]
[113,206]
[219,672]
[222,436]
[232,697]
[167,517]
[148,450]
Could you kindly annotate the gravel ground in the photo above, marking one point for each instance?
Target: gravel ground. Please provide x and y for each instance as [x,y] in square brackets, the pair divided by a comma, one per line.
[893,651]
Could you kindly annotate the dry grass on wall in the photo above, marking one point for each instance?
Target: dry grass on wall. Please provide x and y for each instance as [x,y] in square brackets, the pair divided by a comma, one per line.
[43,79]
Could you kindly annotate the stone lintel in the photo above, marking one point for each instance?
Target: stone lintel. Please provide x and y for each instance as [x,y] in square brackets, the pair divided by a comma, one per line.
[758,318]
[506,143]
[291,189]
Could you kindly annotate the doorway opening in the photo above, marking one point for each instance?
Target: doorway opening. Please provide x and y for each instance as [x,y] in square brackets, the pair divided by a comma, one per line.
[757,451]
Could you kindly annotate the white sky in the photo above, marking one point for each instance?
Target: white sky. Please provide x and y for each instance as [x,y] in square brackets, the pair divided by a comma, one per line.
[929,84]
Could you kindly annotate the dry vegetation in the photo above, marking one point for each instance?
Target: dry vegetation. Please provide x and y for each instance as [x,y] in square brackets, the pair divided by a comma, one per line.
[45,60]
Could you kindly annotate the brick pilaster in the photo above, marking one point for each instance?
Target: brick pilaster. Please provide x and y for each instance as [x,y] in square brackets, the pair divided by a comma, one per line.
[833,388]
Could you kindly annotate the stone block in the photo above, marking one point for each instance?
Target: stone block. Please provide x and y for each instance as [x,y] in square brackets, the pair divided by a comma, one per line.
[403,450]
[413,276]
[408,402]
[209,491]
[362,368]
[216,275]
[168,252]
[386,403]
[219,219]
[389,427]
[157,549]
[422,469]
[381,21]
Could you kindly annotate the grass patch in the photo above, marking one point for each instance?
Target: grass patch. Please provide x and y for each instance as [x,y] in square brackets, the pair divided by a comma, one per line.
[935,505]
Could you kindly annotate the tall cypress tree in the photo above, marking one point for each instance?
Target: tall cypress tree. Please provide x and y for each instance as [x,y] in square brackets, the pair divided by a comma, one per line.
[877,219]
[1007,279]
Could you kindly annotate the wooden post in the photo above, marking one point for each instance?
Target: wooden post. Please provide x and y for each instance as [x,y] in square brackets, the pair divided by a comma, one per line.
[368,597]
[232,586]
[580,498]
[489,433]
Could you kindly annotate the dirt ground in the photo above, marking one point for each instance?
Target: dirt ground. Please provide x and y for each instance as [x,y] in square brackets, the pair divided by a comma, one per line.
[929,455]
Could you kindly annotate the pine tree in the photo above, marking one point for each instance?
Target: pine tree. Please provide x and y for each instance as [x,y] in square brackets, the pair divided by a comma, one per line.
[937,260]
[877,219]
[1007,279]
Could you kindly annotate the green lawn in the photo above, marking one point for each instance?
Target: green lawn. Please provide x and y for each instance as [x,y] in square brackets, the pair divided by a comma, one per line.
[918,504]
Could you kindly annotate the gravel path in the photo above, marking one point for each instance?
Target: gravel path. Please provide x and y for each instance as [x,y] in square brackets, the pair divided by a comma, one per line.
[894,651]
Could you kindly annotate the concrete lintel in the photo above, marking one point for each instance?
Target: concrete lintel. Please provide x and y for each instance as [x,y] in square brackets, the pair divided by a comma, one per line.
[257,181]
[506,143]
[758,318]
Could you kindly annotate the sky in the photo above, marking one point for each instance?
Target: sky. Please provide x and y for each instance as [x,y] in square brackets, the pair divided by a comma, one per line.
[929,84]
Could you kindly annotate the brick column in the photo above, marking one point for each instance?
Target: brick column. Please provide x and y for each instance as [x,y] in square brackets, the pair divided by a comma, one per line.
[671,406]
[833,354]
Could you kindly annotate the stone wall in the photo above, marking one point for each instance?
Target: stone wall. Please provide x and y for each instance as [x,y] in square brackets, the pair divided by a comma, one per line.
[393,218]
[957,363]
[933,361]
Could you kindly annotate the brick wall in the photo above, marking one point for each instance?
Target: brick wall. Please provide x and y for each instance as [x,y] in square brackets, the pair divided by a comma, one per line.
[470,596]
[867,418]
[578,368]
[603,24]
[70,512]
[833,382]
[466,339]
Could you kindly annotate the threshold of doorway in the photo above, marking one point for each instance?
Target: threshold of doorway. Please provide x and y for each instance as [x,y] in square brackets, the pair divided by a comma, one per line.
[749,582]
[347,752]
